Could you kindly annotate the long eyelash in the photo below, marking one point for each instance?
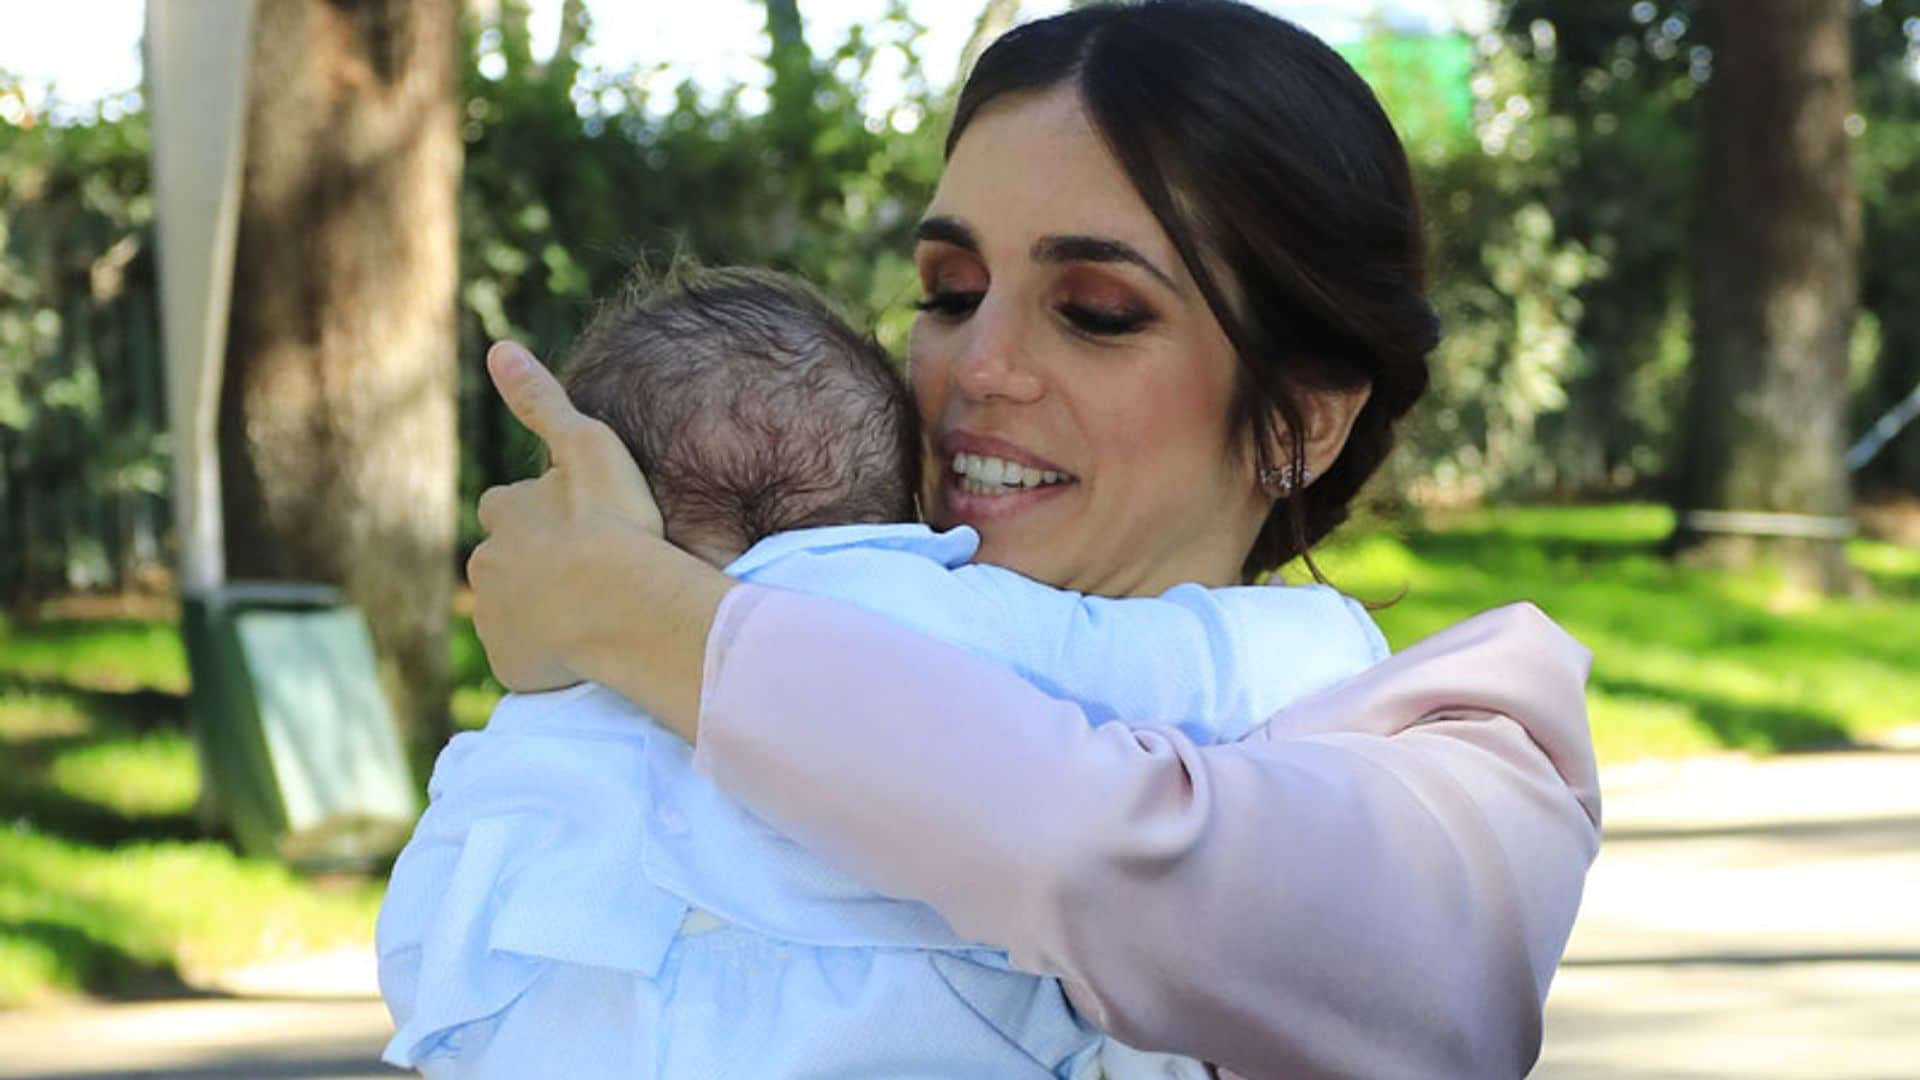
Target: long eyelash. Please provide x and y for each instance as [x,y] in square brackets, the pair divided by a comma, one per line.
[1105,323]
[949,302]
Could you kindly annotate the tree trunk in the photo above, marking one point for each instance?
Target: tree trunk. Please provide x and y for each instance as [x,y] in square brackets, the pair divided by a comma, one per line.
[337,423]
[1776,283]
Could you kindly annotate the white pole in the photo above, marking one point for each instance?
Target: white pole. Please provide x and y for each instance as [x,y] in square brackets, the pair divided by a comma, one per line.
[1883,431]
[197,57]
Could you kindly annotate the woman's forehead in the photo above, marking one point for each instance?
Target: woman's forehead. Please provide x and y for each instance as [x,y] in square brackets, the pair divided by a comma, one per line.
[1032,166]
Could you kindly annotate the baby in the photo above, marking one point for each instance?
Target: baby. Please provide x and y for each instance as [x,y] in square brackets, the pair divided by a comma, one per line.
[578,900]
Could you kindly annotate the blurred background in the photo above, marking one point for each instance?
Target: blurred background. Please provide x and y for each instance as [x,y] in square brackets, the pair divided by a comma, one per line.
[1674,251]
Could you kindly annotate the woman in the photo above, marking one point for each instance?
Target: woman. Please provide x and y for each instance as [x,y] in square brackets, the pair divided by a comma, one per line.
[1175,260]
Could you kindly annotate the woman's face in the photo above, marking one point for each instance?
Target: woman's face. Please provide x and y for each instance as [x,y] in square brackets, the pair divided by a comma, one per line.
[1061,334]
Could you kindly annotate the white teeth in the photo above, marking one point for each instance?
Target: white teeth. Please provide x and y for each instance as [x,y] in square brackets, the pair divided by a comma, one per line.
[983,475]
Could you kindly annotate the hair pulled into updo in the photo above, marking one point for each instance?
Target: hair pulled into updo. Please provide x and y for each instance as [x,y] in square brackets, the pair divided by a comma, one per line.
[1282,184]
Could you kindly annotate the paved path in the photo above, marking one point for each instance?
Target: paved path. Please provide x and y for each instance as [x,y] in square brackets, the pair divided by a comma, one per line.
[1749,920]
[200,1039]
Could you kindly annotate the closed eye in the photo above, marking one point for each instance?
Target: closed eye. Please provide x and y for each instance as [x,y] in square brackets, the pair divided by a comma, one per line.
[950,303]
[1101,322]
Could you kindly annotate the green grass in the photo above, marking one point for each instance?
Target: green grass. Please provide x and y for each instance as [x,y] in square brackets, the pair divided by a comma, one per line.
[1685,660]
[114,655]
[144,916]
[108,884]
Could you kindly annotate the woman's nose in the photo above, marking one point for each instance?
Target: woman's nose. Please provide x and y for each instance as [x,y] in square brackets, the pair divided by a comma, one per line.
[995,363]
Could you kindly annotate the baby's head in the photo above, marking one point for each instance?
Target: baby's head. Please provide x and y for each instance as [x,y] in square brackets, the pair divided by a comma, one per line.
[751,406]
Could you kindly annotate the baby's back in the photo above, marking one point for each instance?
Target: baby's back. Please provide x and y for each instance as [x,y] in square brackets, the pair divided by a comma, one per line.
[573,841]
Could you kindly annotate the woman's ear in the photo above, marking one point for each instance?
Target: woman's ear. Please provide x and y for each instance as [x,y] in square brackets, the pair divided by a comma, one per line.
[1329,417]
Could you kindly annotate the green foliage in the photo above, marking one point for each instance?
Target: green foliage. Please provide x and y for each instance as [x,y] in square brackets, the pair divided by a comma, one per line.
[1590,112]
[81,421]
[1559,233]
[475,690]
[1558,186]
[1887,165]
[574,174]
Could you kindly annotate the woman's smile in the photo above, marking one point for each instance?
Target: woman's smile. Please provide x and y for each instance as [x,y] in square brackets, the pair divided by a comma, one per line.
[1074,387]
[990,479]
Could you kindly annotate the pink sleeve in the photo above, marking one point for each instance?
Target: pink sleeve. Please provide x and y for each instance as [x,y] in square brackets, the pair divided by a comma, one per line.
[1379,883]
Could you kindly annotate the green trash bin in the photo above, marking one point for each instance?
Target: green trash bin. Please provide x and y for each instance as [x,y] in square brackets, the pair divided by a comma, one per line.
[297,745]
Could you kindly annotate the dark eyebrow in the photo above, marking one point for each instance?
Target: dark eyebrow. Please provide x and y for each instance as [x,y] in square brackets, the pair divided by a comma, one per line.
[1097,249]
[1052,249]
[946,230]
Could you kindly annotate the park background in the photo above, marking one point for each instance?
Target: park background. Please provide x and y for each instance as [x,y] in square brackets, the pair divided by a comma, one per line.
[1598,226]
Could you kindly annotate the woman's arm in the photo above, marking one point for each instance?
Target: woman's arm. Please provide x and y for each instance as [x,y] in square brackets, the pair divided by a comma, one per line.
[1382,885]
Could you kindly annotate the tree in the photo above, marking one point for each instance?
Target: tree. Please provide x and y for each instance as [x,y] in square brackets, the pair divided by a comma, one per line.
[1776,282]
[996,18]
[337,413]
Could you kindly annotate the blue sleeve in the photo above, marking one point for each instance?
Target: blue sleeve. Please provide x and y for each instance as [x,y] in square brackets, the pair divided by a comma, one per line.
[1143,661]
[1215,663]
[1170,660]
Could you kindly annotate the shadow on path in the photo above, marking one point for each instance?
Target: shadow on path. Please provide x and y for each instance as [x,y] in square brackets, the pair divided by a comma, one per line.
[1746,959]
[1891,827]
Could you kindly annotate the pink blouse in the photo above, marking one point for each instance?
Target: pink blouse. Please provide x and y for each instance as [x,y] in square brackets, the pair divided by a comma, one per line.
[1380,882]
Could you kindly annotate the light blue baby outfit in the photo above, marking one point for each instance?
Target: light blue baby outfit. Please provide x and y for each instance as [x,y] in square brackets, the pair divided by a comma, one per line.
[578,901]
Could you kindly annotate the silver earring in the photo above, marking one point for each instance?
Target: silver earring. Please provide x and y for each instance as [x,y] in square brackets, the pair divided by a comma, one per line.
[1283,481]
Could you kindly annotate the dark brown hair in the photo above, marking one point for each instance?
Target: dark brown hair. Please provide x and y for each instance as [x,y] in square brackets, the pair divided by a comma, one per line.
[1260,151]
[751,405]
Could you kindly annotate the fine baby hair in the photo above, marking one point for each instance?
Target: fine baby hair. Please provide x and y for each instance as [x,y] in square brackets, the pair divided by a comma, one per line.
[751,405]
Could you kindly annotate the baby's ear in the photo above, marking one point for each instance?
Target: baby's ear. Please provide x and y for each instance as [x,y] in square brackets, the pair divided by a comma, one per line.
[1328,416]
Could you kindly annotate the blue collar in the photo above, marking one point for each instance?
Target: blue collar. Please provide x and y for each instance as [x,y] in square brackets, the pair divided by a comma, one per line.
[952,548]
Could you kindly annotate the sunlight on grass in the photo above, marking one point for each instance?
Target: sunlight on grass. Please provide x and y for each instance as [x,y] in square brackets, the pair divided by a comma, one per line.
[34,714]
[103,887]
[1891,568]
[1627,726]
[154,775]
[102,654]
[32,968]
[109,916]
[1686,660]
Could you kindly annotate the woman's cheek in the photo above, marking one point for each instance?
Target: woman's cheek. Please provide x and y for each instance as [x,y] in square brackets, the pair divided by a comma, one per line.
[926,371]
[925,381]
